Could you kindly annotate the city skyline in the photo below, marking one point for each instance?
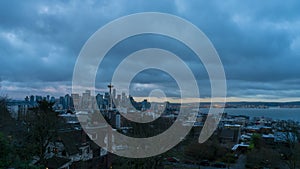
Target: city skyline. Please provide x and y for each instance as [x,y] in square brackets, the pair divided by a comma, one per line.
[149,84]
[258,44]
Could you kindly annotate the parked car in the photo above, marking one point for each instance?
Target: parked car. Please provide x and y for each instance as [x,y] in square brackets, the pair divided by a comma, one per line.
[204,163]
[173,159]
[219,165]
[188,162]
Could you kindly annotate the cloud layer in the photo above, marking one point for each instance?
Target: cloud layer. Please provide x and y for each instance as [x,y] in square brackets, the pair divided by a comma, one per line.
[257,41]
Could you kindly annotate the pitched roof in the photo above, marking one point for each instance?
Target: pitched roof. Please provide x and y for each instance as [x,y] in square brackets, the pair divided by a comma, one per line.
[72,140]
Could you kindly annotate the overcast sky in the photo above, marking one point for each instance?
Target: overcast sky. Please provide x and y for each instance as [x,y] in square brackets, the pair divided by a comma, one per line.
[258,43]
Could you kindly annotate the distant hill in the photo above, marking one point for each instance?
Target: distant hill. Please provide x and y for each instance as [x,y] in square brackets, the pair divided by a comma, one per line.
[263,104]
[245,104]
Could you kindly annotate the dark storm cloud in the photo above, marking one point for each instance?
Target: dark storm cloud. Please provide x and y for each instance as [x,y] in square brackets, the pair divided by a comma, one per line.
[258,43]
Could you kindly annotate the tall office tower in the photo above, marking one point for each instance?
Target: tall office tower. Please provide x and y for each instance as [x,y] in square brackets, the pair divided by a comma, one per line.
[48,98]
[145,105]
[106,100]
[114,92]
[52,99]
[68,101]
[124,99]
[76,100]
[99,100]
[106,95]
[38,98]
[118,121]
[62,102]
[88,92]
[118,100]
[31,100]
[86,99]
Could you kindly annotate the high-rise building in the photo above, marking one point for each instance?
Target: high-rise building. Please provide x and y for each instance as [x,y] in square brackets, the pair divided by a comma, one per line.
[106,100]
[118,121]
[118,100]
[76,100]
[106,95]
[145,105]
[38,98]
[31,100]
[52,99]
[62,102]
[68,102]
[124,99]
[86,100]
[100,101]
[114,92]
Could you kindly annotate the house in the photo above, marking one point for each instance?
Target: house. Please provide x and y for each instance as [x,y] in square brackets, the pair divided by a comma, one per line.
[76,145]
[240,147]
[266,130]
[252,129]
[245,137]
[285,137]
[268,138]
[72,145]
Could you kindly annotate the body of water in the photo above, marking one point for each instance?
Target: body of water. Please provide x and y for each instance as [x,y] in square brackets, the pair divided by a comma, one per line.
[275,114]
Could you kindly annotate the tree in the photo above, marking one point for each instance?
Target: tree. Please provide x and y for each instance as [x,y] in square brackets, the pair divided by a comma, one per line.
[12,149]
[2,104]
[143,130]
[42,129]
[256,141]
[6,157]
[263,157]
[291,149]
[4,114]
[209,150]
